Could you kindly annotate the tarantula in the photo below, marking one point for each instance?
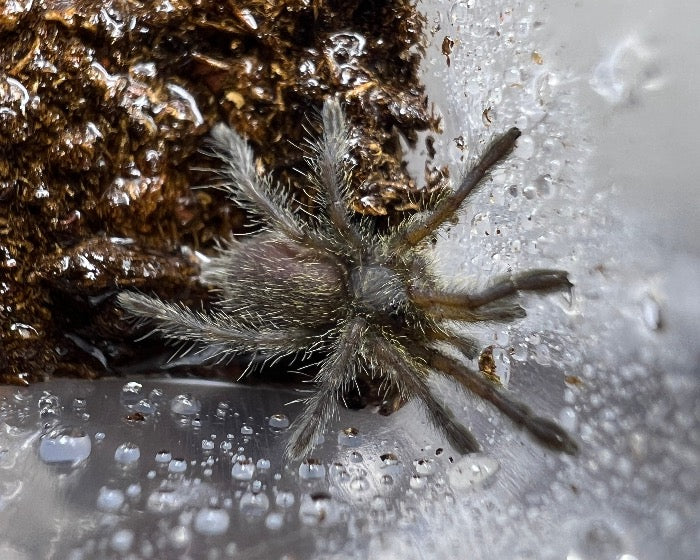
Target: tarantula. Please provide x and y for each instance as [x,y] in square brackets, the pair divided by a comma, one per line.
[328,282]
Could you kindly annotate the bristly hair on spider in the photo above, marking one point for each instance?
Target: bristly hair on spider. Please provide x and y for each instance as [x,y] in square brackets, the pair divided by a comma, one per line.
[369,302]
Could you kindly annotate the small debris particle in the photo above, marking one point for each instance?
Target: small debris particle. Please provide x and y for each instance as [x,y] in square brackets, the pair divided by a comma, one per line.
[487,365]
[447,44]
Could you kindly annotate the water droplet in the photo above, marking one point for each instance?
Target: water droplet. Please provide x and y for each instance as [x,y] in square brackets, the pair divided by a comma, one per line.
[48,400]
[222,410]
[127,453]
[346,45]
[599,541]
[519,352]
[274,521]
[628,70]
[50,416]
[359,484]
[391,464]
[248,18]
[389,460]
[424,467]
[165,500]
[481,224]
[145,406]
[349,437]
[65,445]
[567,419]
[472,471]
[177,466]
[131,393]
[356,457]
[651,313]
[417,482]
[278,422]
[246,430]
[525,147]
[180,537]
[318,509]
[311,469]
[243,468]
[254,504]
[211,521]
[545,186]
[49,408]
[109,499]
[513,77]
[338,473]
[185,405]
[122,541]
[263,464]
[501,361]
[99,436]
[284,499]
[133,490]
[542,355]
[163,456]
[79,404]
[207,445]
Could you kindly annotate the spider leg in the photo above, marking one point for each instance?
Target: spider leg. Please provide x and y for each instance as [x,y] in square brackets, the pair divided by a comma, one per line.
[467,346]
[336,373]
[546,431]
[458,311]
[249,188]
[179,323]
[330,176]
[415,233]
[409,376]
[487,305]
[537,280]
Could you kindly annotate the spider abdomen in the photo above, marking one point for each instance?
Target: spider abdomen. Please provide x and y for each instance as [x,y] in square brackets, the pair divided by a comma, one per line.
[289,282]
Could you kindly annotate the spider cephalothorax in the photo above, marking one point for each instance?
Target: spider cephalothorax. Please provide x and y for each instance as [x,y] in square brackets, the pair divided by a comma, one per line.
[328,282]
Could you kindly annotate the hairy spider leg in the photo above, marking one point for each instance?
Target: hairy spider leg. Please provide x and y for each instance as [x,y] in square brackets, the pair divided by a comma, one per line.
[330,175]
[545,430]
[409,376]
[467,346]
[486,305]
[176,323]
[247,187]
[432,220]
[337,372]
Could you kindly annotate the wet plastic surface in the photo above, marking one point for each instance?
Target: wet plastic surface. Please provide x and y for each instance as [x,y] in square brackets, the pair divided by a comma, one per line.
[187,469]
[173,468]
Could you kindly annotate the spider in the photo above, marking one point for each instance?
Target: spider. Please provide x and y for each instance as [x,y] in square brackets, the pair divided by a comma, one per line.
[328,282]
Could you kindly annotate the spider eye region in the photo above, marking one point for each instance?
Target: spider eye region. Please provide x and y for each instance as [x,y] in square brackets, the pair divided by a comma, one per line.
[376,289]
